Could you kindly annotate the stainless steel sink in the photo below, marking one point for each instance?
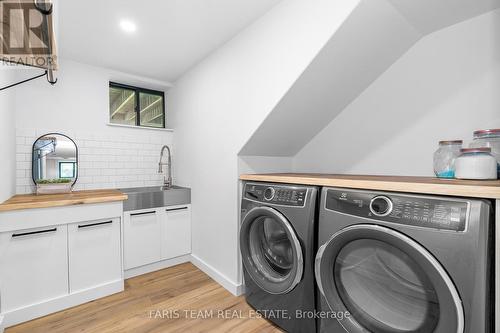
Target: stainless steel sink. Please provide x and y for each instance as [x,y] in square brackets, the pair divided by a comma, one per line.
[155,196]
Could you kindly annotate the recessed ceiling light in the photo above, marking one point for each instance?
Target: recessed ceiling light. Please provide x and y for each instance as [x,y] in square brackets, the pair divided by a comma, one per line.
[128,26]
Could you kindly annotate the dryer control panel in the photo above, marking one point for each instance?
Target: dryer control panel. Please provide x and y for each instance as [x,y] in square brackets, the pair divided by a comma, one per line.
[275,194]
[420,211]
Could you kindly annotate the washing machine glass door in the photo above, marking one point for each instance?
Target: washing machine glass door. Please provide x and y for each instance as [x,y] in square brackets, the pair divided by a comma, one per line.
[271,251]
[387,282]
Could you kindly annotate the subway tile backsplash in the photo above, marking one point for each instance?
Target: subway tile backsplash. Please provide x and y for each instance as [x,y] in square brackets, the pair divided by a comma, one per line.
[104,160]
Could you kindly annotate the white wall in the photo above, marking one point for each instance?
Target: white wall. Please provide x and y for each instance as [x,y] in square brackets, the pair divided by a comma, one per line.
[445,87]
[217,105]
[370,40]
[78,105]
[7,136]
[264,164]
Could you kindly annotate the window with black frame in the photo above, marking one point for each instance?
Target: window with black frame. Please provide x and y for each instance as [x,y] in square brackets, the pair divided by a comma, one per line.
[67,169]
[135,106]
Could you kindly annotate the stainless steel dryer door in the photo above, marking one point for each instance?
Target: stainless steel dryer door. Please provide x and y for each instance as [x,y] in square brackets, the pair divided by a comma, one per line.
[271,251]
[387,282]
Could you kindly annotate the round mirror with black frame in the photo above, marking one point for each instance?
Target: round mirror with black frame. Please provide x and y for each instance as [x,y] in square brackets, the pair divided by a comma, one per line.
[54,163]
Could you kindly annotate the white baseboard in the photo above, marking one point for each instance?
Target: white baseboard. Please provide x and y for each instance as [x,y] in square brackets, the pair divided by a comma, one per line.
[232,287]
[24,314]
[156,266]
[1,324]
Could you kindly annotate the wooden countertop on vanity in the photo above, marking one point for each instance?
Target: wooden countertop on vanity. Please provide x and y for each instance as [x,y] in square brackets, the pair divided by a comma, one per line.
[488,189]
[29,201]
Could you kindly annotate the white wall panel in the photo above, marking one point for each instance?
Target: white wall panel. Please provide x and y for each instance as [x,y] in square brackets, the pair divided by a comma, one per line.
[7,135]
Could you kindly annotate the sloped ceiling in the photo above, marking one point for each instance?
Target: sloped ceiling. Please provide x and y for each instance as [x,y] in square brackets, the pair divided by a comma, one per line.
[377,33]
[431,15]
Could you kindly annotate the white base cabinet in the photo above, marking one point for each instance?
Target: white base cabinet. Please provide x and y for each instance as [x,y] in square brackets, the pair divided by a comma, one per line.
[141,238]
[156,234]
[33,266]
[175,232]
[94,254]
[55,258]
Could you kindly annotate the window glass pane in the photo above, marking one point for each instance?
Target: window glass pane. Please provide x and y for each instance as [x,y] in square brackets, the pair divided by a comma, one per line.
[66,170]
[151,108]
[122,106]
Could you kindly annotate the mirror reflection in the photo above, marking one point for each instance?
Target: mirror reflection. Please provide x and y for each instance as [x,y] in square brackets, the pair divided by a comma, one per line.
[55,159]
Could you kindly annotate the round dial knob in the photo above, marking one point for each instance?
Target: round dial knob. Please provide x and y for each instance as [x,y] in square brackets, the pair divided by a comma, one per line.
[269,193]
[381,206]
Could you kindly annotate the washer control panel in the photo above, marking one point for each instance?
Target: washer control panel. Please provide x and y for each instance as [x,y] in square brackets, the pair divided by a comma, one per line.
[401,209]
[275,194]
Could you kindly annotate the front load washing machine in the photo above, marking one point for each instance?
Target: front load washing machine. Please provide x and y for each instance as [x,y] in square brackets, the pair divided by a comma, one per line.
[277,243]
[393,262]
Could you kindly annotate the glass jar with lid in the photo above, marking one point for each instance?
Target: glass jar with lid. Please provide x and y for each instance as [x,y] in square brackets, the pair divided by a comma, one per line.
[476,163]
[445,156]
[488,138]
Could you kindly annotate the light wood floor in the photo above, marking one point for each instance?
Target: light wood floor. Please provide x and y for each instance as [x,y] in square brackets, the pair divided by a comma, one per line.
[170,291]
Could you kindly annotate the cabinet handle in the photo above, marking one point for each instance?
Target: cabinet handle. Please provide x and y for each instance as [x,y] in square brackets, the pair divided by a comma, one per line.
[174,209]
[144,213]
[34,233]
[94,224]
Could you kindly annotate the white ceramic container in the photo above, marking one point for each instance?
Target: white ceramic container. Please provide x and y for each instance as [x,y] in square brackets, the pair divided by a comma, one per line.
[488,138]
[476,163]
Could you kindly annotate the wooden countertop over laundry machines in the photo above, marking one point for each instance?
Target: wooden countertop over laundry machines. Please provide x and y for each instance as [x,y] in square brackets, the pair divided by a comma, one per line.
[487,189]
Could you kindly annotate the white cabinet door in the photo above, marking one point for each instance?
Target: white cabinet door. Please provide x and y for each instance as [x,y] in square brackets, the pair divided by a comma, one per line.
[141,238]
[33,266]
[176,231]
[94,254]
